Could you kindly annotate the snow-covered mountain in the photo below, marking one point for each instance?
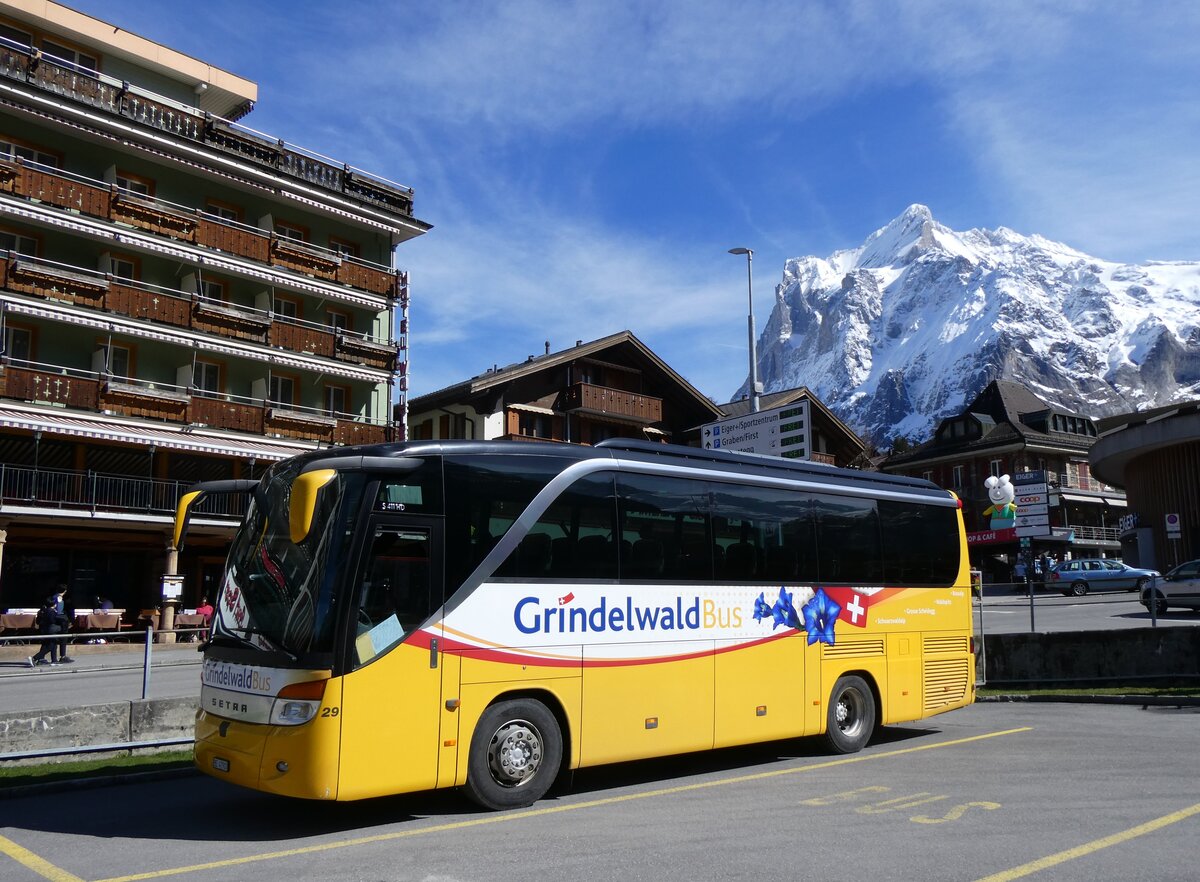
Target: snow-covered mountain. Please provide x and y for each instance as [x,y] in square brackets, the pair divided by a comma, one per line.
[903,331]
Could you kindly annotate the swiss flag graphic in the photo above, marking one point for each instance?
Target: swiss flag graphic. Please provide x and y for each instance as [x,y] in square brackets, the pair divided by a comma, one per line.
[855,602]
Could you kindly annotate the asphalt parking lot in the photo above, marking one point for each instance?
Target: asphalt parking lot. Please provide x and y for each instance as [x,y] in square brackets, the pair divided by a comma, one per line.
[998,791]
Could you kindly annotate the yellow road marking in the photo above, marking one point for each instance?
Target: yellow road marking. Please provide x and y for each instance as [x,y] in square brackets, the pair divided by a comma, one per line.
[39,865]
[552,810]
[1095,845]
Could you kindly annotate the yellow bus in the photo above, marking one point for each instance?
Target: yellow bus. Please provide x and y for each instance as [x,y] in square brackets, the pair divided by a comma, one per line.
[488,615]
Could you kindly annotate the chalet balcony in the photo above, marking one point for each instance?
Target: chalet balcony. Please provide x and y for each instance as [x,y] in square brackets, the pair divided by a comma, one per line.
[230,320]
[53,281]
[630,407]
[152,216]
[56,282]
[139,398]
[360,349]
[89,392]
[81,195]
[48,75]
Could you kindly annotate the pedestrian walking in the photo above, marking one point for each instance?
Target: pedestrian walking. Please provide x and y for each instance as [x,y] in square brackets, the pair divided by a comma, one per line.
[50,621]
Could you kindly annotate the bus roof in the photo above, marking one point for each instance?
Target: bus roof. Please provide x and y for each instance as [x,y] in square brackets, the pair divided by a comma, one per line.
[646,452]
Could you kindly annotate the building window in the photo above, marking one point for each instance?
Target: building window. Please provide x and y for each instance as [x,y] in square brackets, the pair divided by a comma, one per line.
[122,267]
[534,425]
[996,468]
[14,37]
[18,243]
[957,480]
[10,149]
[135,184]
[285,230]
[339,321]
[283,389]
[18,343]
[71,58]
[224,211]
[207,378]
[212,289]
[285,307]
[928,476]
[336,398]
[118,361]
[342,247]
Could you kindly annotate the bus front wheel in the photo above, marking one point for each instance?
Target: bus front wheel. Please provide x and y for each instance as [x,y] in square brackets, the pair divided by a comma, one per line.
[850,717]
[515,754]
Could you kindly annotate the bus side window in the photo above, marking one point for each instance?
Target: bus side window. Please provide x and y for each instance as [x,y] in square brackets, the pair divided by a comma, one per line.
[572,538]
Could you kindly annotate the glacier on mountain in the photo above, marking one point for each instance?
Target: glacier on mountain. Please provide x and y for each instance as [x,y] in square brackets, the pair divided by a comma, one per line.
[903,331]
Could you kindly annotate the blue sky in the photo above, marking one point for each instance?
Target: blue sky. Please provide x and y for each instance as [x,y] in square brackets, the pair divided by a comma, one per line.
[587,165]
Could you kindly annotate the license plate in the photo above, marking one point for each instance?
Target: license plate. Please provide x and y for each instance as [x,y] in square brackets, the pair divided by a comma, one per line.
[221,765]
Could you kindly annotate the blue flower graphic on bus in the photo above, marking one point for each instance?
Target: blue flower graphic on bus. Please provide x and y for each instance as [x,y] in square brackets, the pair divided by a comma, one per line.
[817,617]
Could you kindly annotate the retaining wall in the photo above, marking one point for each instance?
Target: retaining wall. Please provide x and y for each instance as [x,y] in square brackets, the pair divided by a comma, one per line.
[114,723]
[1081,658]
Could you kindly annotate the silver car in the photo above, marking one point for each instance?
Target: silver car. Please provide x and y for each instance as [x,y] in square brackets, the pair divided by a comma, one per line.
[1084,574]
[1178,587]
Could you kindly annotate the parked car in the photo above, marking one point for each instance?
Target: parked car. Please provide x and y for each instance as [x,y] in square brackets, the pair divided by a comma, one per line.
[1177,587]
[1084,574]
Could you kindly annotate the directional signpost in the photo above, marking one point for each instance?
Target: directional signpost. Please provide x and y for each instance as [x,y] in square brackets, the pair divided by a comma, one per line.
[781,431]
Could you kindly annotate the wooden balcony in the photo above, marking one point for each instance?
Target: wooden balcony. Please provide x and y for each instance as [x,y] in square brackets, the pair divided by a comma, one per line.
[63,192]
[368,278]
[302,338]
[56,283]
[302,258]
[630,407]
[235,240]
[27,384]
[352,432]
[299,423]
[826,458]
[152,216]
[144,400]
[156,306]
[228,320]
[360,350]
[218,413]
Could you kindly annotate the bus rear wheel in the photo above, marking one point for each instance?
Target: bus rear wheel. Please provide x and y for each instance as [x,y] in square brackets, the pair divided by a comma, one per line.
[850,716]
[515,754]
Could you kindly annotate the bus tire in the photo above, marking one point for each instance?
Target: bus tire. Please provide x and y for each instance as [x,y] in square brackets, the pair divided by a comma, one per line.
[850,715]
[515,754]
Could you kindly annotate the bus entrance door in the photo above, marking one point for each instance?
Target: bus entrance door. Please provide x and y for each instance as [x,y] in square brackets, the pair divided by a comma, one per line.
[393,695]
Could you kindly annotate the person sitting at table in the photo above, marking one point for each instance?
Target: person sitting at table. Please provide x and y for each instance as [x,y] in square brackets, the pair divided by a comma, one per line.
[103,604]
[51,621]
[205,609]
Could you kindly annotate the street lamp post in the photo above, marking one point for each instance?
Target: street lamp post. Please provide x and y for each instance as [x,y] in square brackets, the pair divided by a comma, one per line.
[755,386]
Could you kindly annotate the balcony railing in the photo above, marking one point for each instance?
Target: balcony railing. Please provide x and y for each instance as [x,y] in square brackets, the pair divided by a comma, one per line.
[95,392]
[1095,534]
[54,281]
[61,78]
[76,193]
[631,406]
[94,492]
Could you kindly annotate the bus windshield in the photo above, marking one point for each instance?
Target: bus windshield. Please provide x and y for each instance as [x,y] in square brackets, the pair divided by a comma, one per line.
[279,595]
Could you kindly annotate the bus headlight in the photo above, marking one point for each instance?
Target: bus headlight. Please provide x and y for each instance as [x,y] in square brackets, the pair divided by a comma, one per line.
[298,703]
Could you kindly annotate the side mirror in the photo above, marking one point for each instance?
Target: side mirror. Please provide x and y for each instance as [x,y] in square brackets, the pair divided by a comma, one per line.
[306,493]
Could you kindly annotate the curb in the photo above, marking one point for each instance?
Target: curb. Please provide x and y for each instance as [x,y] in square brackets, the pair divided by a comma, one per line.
[1141,700]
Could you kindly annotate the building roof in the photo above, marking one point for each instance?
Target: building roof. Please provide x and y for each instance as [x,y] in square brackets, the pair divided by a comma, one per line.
[1003,409]
[217,91]
[500,376]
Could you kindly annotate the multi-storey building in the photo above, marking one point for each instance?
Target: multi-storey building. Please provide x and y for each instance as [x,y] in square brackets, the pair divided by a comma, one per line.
[614,387]
[1009,430]
[182,298]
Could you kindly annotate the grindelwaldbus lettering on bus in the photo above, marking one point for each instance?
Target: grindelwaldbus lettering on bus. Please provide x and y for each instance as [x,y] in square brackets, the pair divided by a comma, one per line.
[532,616]
[244,679]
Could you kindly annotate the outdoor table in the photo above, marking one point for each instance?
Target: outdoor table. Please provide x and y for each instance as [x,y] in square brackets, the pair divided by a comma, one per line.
[17,621]
[99,621]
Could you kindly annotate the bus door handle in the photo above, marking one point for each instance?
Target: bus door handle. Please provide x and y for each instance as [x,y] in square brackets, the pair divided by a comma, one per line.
[433,653]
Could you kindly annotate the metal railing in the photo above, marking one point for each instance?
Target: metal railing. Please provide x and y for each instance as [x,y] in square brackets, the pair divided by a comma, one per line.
[68,80]
[93,491]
